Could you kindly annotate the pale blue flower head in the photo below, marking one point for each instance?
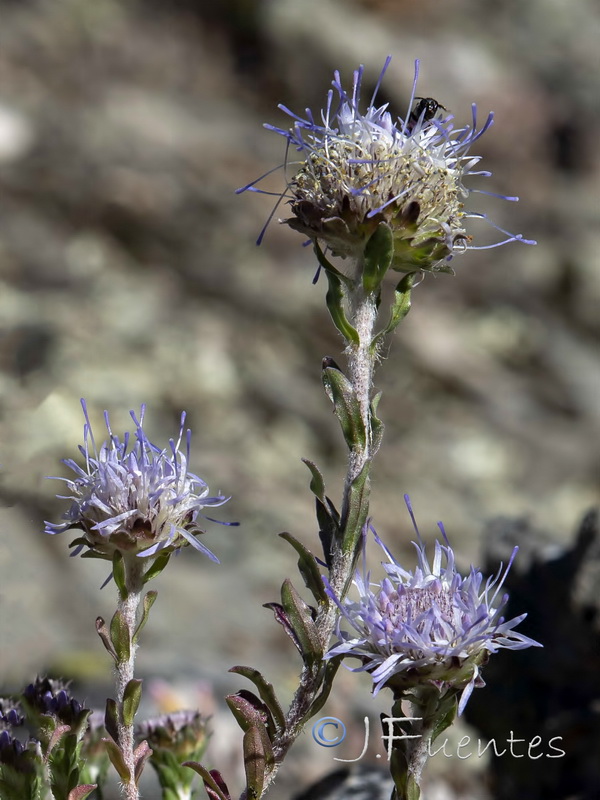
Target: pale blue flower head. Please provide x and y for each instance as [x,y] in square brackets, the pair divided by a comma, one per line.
[357,168]
[133,496]
[429,627]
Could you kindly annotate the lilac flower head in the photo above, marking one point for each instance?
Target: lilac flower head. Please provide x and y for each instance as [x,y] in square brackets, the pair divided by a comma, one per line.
[356,169]
[429,627]
[134,497]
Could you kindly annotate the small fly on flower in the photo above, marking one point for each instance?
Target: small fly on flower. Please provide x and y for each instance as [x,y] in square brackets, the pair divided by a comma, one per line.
[425,110]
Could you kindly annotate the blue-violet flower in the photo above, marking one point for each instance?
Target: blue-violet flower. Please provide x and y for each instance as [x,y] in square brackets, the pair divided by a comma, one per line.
[430,627]
[133,496]
[357,169]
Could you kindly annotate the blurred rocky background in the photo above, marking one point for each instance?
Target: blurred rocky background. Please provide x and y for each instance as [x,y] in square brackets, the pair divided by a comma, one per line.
[129,275]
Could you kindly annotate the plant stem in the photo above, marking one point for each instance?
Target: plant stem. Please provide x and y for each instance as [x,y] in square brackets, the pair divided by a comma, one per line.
[361,362]
[129,607]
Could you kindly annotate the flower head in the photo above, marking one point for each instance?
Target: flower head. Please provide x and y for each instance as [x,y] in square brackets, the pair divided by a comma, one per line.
[357,169]
[133,497]
[428,627]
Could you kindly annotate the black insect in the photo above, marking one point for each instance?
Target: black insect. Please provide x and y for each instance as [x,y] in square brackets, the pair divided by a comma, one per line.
[425,109]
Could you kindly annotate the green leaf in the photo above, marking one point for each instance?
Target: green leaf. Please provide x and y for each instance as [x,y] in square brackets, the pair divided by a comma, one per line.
[317,484]
[148,603]
[215,786]
[116,759]
[255,763]
[356,513]
[118,566]
[247,711]
[347,408]
[329,268]
[400,307]
[103,633]
[119,636]
[301,622]
[131,700]
[159,563]
[266,692]
[331,667]
[377,425]
[335,303]
[377,257]
[309,570]
[111,719]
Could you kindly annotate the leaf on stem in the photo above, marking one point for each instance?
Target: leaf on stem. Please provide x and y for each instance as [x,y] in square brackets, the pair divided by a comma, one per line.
[400,307]
[149,599]
[377,425]
[300,618]
[159,563]
[378,254]
[255,762]
[307,565]
[355,515]
[119,636]
[346,407]
[282,618]
[118,572]
[248,710]
[215,786]
[116,759]
[331,667]
[82,791]
[131,700]
[141,754]
[111,719]
[266,692]
[335,304]
[104,635]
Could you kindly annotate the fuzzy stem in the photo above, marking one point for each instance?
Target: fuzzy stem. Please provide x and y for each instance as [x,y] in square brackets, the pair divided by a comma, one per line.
[361,363]
[129,608]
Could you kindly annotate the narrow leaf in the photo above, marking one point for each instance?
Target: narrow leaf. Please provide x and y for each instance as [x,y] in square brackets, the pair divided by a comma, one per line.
[141,754]
[246,712]
[131,700]
[400,306]
[104,635]
[118,566]
[215,786]
[148,603]
[266,692]
[377,425]
[82,791]
[309,570]
[116,759]
[317,484]
[159,563]
[254,763]
[346,406]
[119,636]
[377,257]
[283,620]
[302,622]
[358,508]
[329,268]
[111,719]
[335,304]
[331,668]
